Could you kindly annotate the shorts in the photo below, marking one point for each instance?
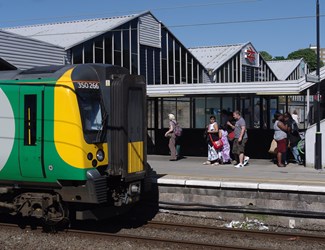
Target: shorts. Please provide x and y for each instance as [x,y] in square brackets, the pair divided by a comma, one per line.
[282,145]
[239,148]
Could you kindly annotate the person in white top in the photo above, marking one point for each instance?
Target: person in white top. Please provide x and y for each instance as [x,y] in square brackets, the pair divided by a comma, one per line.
[295,116]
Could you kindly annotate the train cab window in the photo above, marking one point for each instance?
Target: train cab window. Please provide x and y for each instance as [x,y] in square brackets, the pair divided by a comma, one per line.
[30,120]
[91,115]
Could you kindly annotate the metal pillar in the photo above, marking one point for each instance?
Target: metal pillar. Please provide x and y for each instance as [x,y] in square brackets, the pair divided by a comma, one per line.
[318,139]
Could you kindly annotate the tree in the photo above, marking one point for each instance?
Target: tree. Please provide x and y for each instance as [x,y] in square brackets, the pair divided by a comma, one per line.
[279,58]
[266,56]
[308,55]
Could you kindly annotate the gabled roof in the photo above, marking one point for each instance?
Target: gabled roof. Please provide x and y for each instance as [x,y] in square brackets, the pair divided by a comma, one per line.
[261,88]
[72,33]
[283,68]
[213,57]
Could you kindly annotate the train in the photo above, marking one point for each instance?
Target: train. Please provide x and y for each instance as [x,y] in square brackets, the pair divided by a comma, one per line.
[73,141]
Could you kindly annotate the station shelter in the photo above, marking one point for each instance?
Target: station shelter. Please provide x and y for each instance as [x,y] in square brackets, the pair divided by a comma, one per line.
[192,83]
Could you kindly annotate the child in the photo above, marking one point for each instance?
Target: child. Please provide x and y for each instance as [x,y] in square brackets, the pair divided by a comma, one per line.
[225,152]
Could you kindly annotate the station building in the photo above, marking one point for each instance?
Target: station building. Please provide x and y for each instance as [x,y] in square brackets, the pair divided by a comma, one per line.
[192,83]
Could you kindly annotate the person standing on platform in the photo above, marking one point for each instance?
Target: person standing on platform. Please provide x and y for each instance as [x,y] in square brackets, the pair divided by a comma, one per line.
[293,136]
[295,117]
[240,140]
[225,152]
[213,134]
[172,137]
[280,135]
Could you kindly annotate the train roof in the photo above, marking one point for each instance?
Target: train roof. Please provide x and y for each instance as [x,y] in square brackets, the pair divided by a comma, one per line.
[45,72]
[50,74]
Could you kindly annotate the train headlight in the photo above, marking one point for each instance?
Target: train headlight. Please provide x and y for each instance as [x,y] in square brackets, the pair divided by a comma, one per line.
[100,155]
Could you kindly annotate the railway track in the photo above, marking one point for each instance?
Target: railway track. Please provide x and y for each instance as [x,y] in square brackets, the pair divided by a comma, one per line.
[232,231]
[162,242]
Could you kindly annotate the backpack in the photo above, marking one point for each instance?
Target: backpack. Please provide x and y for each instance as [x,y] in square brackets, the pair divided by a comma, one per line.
[177,129]
[294,128]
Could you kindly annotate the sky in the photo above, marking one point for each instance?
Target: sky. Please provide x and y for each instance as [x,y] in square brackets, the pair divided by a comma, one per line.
[276,26]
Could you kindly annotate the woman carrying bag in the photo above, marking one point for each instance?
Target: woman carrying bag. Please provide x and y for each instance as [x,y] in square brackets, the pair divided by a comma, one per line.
[280,136]
[213,136]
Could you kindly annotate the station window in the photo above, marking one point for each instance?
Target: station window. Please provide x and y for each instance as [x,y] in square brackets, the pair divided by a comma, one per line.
[99,50]
[108,49]
[126,46]
[88,52]
[77,55]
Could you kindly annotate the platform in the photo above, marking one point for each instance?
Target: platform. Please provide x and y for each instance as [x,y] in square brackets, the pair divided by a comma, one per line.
[258,174]
[293,196]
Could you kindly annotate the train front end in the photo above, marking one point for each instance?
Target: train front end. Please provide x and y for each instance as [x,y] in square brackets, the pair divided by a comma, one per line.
[112,106]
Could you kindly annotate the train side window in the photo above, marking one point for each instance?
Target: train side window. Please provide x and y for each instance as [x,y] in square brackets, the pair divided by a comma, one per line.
[30,120]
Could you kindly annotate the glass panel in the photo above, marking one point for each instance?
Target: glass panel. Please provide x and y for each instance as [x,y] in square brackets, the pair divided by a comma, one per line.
[134,46]
[157,65]
[247,111]
[134,37]
[117,48]
[189,69]
[99,51]
[164,71]
[264,116]
[151,123]
[134,62]
[143,59]
[296,107]
[177,63]
[257,113]
[77,54]
[273,109]
[212,108]
[108,49]
[183,57]
[150,65]
[163,44]
[30,120]
[200,120]
[171,59]
[88,50]
[183,112]
[195,72]
[169,106]
[91,115]
[126,47]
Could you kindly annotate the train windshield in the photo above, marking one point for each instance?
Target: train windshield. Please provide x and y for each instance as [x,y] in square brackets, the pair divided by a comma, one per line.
[89,101]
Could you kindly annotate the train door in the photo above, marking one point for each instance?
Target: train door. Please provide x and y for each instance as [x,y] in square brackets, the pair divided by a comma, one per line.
[31,131]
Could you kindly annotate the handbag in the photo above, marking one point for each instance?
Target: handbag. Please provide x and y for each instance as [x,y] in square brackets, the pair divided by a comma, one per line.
[231,136]
[216,144]
[273,147]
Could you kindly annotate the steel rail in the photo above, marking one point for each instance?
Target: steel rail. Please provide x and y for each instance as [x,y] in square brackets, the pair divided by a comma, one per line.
[256,233]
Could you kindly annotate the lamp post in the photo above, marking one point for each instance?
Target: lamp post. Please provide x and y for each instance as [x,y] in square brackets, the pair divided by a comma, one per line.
[318,139]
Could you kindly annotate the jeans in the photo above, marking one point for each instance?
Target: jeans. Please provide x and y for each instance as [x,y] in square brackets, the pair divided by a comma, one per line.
[296,154]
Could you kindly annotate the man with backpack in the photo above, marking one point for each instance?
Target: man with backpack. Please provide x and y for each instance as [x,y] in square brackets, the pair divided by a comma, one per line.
[173,133]
[293,136]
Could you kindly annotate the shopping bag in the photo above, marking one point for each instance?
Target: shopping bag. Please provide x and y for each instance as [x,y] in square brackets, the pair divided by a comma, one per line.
[273,147]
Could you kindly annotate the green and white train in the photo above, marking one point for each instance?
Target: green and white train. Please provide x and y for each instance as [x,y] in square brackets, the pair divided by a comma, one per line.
[72,140]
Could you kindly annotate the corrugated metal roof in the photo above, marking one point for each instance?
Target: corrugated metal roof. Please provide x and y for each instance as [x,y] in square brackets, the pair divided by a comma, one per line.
[69,34]
[283,68]
[213,57]
[25,53]
[262,88]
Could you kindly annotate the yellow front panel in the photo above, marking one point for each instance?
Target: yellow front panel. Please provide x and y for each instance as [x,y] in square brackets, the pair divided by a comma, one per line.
[68,133]
[135,156]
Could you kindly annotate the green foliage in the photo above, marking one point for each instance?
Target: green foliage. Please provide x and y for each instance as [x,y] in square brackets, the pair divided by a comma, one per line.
[308,55]
[279,58]
[266,56]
